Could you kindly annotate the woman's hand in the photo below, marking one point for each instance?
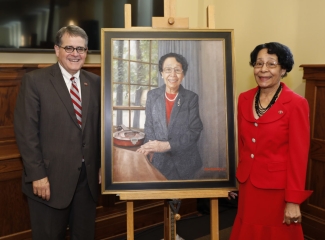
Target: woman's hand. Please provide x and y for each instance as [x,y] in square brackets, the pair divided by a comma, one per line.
[149,148]
[292,213]
[143,151]
[154,146]
[232,195]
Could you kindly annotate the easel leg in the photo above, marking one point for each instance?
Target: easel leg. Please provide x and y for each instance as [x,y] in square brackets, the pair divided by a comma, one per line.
[166,220]
[214,219]
[130,220]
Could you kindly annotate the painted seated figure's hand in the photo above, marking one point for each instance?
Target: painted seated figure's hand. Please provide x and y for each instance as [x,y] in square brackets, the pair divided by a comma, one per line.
[154,146]
[143,151]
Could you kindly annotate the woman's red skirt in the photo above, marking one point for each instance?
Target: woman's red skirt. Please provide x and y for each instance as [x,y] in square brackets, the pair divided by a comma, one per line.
[260,216]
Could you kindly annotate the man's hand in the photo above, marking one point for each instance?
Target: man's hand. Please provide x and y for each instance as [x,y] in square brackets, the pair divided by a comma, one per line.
[292,213]
[41,188]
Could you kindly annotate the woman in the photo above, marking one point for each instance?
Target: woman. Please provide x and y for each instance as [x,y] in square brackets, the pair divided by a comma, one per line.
[173,123]
[273,144]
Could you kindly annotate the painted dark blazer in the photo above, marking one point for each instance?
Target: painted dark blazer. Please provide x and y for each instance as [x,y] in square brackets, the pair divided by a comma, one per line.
[183,132]
[49,138]
[273,150]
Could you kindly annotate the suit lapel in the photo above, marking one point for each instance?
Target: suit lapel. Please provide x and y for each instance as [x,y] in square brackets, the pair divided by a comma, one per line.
[85,96]
[57,80]
[277,111]
[176,108]
[161,110]
[247,105]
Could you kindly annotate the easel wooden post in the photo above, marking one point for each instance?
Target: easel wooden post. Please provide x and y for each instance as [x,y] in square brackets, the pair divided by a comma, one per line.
[169,21]
[214,219]
[129,220]
[167,227]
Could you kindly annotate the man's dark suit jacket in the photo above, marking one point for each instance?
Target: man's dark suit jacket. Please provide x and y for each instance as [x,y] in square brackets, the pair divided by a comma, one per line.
[50,141]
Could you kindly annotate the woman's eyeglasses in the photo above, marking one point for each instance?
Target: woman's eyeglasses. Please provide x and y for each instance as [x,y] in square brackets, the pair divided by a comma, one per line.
[260,64]
[170,69]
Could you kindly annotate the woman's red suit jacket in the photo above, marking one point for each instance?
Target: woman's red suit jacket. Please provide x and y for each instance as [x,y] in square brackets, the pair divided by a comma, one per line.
[273,150]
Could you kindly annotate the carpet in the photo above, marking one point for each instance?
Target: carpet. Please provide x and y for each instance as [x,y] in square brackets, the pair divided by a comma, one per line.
[224,234]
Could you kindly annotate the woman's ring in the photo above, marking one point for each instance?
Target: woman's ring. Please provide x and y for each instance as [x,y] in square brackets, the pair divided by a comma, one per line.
[295,221]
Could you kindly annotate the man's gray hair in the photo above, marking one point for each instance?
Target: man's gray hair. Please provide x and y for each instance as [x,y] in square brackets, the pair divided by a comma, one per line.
[73,31]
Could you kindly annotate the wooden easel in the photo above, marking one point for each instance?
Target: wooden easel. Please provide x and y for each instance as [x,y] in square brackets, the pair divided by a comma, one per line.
[169,21]
[213,194]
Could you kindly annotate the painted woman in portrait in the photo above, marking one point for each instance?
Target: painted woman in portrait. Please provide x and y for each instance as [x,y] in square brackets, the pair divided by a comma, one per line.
[173,124]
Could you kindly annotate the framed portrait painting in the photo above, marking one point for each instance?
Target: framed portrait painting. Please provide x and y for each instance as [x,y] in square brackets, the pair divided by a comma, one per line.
[156,139]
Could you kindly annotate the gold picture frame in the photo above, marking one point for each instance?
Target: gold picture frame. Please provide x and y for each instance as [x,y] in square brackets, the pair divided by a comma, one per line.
[129,63]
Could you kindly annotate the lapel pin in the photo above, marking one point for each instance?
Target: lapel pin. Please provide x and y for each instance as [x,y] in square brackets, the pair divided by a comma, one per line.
[86,84]
[179,102]
[280,112]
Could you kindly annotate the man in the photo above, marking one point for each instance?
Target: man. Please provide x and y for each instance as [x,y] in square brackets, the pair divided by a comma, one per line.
[57,127]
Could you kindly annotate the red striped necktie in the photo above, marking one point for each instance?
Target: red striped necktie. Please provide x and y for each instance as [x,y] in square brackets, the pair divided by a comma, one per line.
[76,101]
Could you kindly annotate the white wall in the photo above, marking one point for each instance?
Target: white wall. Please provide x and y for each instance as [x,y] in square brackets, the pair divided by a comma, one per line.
[299,24]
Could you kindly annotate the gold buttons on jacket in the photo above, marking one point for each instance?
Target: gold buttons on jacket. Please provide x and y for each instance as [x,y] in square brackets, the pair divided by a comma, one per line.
[255,124]
[252,155]
[253,140]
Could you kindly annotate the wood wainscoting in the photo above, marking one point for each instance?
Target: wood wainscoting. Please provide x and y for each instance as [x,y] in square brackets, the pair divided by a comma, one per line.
[313,209]
[14,213]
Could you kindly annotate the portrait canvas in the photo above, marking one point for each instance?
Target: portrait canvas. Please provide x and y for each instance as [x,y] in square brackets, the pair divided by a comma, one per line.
[130,69]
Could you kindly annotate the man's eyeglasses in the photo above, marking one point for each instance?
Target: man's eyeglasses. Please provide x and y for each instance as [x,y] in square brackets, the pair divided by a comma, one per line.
[70,49]
[260,64]
[170,69]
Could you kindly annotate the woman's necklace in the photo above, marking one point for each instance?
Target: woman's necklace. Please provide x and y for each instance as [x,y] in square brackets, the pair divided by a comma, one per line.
[171,100]
[258,106]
